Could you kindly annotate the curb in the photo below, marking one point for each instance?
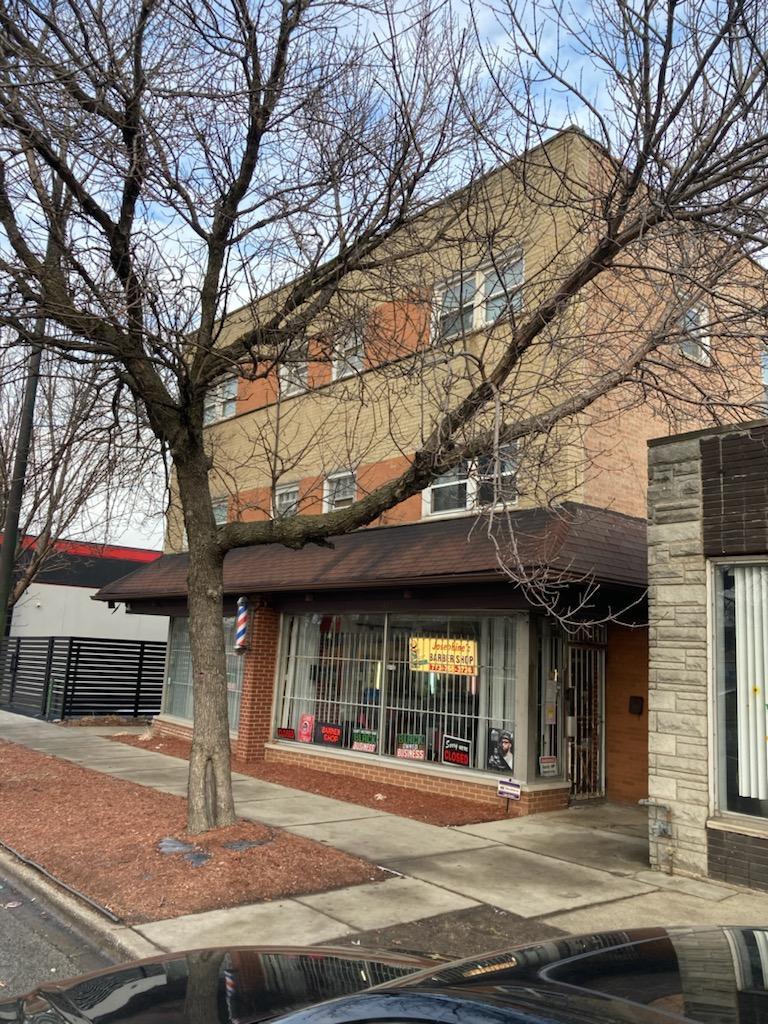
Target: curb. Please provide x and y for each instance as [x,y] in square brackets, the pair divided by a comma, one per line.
[114,939]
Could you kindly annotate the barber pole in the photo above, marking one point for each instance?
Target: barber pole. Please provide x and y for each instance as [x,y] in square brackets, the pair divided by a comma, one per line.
[241,628]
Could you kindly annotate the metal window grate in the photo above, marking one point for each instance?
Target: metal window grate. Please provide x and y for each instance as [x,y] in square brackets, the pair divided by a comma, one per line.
[355,672]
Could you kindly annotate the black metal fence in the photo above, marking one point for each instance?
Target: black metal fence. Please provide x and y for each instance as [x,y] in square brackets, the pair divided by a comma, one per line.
[74,676]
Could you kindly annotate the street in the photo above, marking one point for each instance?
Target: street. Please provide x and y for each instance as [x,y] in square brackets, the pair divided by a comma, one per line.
[35,947]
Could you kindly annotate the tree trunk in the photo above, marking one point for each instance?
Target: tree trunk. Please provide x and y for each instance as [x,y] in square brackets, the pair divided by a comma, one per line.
[210,803]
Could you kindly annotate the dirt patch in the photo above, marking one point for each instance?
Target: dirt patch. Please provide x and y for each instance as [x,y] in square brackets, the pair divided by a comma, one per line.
[462,933]
[102,835]
[408,803]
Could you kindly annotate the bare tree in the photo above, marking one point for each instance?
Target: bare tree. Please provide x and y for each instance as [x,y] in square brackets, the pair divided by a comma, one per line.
[90,469]
[293,159]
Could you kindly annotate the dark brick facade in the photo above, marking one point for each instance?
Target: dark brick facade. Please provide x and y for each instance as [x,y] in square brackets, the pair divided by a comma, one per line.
[734,491]
[738,859]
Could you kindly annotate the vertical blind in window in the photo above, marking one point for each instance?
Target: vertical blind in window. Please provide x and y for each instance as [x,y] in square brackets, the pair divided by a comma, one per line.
[751,620]
[178,684]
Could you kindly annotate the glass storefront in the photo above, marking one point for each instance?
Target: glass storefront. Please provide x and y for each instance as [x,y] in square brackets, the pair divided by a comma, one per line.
[178,683]
[741,685]
[415,688]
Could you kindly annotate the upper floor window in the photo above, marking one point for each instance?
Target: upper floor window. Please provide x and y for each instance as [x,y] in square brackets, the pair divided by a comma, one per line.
[480,297]
[450,492]
[348,356]
[220,401]
[457,307]
[292,374]
[220,508]
[694,341]
[485,483]
[496,478]
[286,500]
[340,490]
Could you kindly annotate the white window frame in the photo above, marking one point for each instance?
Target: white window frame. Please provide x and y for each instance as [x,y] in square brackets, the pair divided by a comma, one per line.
[348,356]
[220,401]
[281,490]
[426,497]
[219,506]
[697,337]
[293,377]
[328,484]
[497,474]
[718,798]
[480,276]
[474,480]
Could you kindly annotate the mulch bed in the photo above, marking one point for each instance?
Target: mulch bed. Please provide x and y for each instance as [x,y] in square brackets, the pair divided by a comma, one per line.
[101,834]
[409,803]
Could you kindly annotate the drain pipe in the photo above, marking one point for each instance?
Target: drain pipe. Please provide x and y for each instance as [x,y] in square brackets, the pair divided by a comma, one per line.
[660,828]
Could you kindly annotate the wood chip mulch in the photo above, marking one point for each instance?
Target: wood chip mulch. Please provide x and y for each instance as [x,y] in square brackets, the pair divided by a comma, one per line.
[425,806]
[101,834]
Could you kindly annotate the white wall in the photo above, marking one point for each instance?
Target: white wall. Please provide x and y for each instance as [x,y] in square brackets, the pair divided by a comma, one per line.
[50,609]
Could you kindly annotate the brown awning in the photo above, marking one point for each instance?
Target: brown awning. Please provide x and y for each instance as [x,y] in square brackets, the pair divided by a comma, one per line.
[574,539]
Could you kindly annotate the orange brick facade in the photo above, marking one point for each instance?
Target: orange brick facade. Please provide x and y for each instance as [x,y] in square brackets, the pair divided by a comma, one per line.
[258,685]
[443,787]
[626,734]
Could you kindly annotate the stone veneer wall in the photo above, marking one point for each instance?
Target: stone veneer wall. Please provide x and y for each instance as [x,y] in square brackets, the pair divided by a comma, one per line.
[678,681]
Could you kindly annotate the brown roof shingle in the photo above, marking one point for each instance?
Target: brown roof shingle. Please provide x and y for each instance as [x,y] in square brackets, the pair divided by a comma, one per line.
[575,539]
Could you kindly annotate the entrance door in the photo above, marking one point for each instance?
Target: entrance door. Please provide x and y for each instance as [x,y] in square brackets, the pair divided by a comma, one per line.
[584,722]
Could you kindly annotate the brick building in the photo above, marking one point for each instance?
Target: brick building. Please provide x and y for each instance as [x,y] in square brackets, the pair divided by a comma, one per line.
[408,652]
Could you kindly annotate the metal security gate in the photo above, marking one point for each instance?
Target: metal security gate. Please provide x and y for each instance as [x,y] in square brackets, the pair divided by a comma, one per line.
[585,699]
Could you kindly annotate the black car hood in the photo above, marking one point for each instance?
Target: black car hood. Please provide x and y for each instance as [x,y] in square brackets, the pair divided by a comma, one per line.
[711,976]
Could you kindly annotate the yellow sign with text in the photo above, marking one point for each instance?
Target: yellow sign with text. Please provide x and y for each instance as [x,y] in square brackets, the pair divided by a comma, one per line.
[438,654]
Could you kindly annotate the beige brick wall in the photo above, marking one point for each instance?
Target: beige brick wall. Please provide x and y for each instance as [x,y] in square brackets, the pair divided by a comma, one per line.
[678,678]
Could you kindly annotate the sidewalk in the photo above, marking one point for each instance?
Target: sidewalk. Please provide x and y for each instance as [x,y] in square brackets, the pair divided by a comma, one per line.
[573,871]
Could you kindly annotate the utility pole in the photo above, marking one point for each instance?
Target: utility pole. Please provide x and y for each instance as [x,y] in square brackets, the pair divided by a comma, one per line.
[20,459]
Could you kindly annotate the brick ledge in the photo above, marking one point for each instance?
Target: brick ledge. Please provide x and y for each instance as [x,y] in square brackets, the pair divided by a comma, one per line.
[443,771]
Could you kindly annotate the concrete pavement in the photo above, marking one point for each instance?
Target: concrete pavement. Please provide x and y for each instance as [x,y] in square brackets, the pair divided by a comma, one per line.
[584,869]
[35,946]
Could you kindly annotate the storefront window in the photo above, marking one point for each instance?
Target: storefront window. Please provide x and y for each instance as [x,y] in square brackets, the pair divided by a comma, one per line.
[741,681]
[410,687]
[178,683]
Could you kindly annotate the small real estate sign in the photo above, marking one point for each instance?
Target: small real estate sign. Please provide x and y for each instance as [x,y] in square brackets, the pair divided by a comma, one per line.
[411,746]
[548,765]
[457,751]
[443,654]
[365,739]
[510,789]
[329,734]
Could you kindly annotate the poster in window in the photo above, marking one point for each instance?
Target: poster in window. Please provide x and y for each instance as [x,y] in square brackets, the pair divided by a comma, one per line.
[457,751]
[306,728]
[328,734]
[443,654]
[365,740]
[501,750]
[411,746]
